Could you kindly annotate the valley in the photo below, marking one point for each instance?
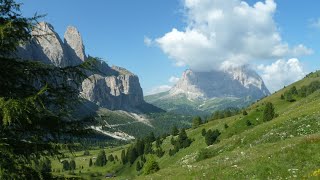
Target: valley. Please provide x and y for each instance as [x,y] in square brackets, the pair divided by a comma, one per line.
[226,97]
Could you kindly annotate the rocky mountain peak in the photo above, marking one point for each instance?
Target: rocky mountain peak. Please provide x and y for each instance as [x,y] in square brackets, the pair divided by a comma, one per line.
[74,43]
[47,45]
[112,87]
[236,82]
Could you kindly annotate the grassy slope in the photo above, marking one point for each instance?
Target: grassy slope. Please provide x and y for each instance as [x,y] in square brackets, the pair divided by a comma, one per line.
[287,147]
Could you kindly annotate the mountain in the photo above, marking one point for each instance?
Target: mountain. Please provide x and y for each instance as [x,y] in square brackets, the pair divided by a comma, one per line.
[249,147]
[114,87]
[110,94]
[205,92]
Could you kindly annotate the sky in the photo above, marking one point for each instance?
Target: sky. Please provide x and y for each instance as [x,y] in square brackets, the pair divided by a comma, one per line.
[159,39]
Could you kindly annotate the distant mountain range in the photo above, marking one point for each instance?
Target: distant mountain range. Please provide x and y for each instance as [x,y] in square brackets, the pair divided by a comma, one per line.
[205,92]
[112,95]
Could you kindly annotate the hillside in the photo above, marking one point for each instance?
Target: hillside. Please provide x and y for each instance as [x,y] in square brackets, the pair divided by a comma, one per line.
[285,147]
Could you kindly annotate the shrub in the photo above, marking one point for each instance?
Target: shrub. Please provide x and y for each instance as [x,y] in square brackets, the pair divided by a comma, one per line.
[86,153]
[212,136]
[248,123]
[245,113]
[203,132]
[226,126]
[151,166]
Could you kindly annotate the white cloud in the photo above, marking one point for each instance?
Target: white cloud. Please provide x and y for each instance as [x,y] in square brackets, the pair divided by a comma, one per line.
[281,73]
[159,89]
[301,50]
[226,30]
[147,41]
[173,79]
[315,23]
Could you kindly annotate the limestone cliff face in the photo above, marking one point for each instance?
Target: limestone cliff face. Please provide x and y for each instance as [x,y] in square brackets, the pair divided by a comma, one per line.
[112,87]
[236,82]
[74,45]
[117,91]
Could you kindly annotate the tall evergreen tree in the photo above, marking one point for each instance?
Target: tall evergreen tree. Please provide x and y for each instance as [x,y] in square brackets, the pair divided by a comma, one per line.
[123,157]
[90,162]
[174,131]
[72,165]
[132,155]
[110,158]
[101,159]
[268,113]
[196,122]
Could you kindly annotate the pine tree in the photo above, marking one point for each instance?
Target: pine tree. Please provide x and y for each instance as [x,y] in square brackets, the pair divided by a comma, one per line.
[123,157]
[101,159]
[132,155]
[212,136]
[174,131]
[90,162]
[72,165]
[138,166]
[183,140]
[268,113]
[203,132]
[65,165]
[110,158]
[196,122]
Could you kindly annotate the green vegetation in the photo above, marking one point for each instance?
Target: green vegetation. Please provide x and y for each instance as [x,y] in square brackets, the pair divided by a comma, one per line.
[211,136]
[268,113]
[34,118]
[101,159]
[196,122]
[183,105]
[151,166]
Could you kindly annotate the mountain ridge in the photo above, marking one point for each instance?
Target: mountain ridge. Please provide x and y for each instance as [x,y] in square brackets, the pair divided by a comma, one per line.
[237,86]
[110,87]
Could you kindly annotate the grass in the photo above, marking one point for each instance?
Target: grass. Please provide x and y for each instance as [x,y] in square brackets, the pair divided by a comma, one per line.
[286,147]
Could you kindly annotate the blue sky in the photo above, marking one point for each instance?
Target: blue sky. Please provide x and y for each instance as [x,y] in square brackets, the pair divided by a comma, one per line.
[115,31]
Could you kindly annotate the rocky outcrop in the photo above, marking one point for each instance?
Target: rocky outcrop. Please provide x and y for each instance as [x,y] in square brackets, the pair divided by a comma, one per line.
[112,87]
[118,91]
[236,82]
[47,47]
[74,44]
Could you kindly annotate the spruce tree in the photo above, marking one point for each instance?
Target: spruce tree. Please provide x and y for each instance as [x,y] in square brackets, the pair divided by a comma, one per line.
[90,162]
[269,112]
[101,159]
[174,131]
[72,165]
[196,122]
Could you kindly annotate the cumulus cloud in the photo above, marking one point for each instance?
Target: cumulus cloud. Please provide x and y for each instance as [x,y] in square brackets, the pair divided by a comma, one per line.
[159,89]
[281,73]
[231,31]
[147,41]
[173,79]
